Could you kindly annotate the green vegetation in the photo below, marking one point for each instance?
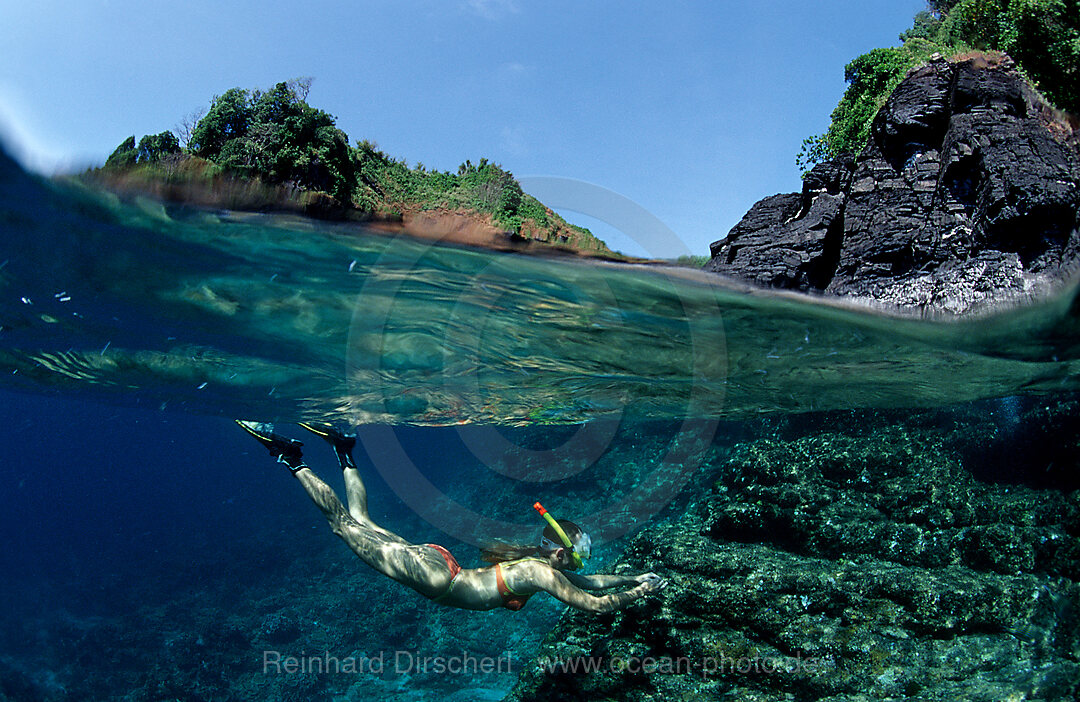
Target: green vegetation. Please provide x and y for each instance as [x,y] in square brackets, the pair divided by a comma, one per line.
[265,149]
[278,137]
[483,187]
[152,148]
[1042,36]
[690,261]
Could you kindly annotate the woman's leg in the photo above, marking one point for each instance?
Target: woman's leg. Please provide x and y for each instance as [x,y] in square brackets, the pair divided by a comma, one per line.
[419,567]
[355,490]
[356,496]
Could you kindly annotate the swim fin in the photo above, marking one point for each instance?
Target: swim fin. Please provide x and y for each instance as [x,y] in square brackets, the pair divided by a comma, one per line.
[343,443]
[285,450]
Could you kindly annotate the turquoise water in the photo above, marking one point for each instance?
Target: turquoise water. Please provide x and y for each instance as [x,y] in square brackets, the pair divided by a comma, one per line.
[132,331]
[255,315]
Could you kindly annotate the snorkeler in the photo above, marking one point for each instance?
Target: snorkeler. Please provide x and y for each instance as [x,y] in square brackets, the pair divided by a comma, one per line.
[518,573]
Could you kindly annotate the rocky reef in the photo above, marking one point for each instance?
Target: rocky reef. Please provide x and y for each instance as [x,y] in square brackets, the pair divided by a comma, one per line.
[839,555]
[853,557]
[967,196]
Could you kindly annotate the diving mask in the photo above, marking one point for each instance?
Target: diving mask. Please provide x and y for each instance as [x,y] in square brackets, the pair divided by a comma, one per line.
[582,549]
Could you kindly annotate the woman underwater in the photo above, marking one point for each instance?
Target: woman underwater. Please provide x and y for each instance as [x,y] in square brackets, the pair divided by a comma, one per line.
[431,570]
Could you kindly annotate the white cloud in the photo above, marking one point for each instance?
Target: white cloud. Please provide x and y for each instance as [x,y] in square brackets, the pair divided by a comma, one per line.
[512,140]
[492,9]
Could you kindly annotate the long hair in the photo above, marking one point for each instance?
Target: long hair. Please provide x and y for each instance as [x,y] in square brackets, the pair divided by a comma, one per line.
[500,552]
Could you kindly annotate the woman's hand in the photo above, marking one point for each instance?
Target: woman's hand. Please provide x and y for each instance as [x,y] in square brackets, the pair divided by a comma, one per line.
[651,582]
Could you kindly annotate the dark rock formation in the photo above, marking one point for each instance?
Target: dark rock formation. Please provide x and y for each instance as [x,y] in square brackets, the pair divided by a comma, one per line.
[968,194]
[842,565]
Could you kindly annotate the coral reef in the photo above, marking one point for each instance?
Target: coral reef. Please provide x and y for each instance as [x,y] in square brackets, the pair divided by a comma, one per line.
[856,559]
[841,555]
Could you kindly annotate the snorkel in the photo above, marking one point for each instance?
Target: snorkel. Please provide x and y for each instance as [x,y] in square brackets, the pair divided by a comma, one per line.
[576,562]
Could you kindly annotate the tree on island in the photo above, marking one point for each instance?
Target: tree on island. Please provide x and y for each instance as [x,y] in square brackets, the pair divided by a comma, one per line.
[152,148]
[278,137]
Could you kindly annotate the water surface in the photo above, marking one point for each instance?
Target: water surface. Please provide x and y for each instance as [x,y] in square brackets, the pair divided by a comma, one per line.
[270,316]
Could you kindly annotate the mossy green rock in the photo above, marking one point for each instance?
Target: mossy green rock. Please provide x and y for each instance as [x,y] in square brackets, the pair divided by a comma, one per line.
[859,565]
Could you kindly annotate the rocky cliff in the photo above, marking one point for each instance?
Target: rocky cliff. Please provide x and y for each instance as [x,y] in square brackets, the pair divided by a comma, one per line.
[967,196]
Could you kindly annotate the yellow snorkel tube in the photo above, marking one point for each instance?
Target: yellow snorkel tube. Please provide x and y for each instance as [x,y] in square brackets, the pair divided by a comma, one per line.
[578,564]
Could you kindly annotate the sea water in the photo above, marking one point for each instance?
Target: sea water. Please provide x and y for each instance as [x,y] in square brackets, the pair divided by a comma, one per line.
[153,551]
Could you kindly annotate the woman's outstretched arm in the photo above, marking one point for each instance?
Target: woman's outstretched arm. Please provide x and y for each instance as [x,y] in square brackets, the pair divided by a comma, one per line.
[558,584]
[602,581]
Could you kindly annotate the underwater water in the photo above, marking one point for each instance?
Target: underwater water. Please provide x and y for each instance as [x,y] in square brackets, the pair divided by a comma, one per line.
[155,552]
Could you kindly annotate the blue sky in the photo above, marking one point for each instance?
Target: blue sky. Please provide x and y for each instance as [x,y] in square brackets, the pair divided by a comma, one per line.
[692,110]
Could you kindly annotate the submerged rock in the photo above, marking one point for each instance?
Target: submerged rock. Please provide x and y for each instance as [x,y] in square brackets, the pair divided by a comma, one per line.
[968,195]
[854,565]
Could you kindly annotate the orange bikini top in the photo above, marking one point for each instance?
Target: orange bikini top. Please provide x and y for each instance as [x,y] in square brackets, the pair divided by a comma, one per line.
[510,599]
